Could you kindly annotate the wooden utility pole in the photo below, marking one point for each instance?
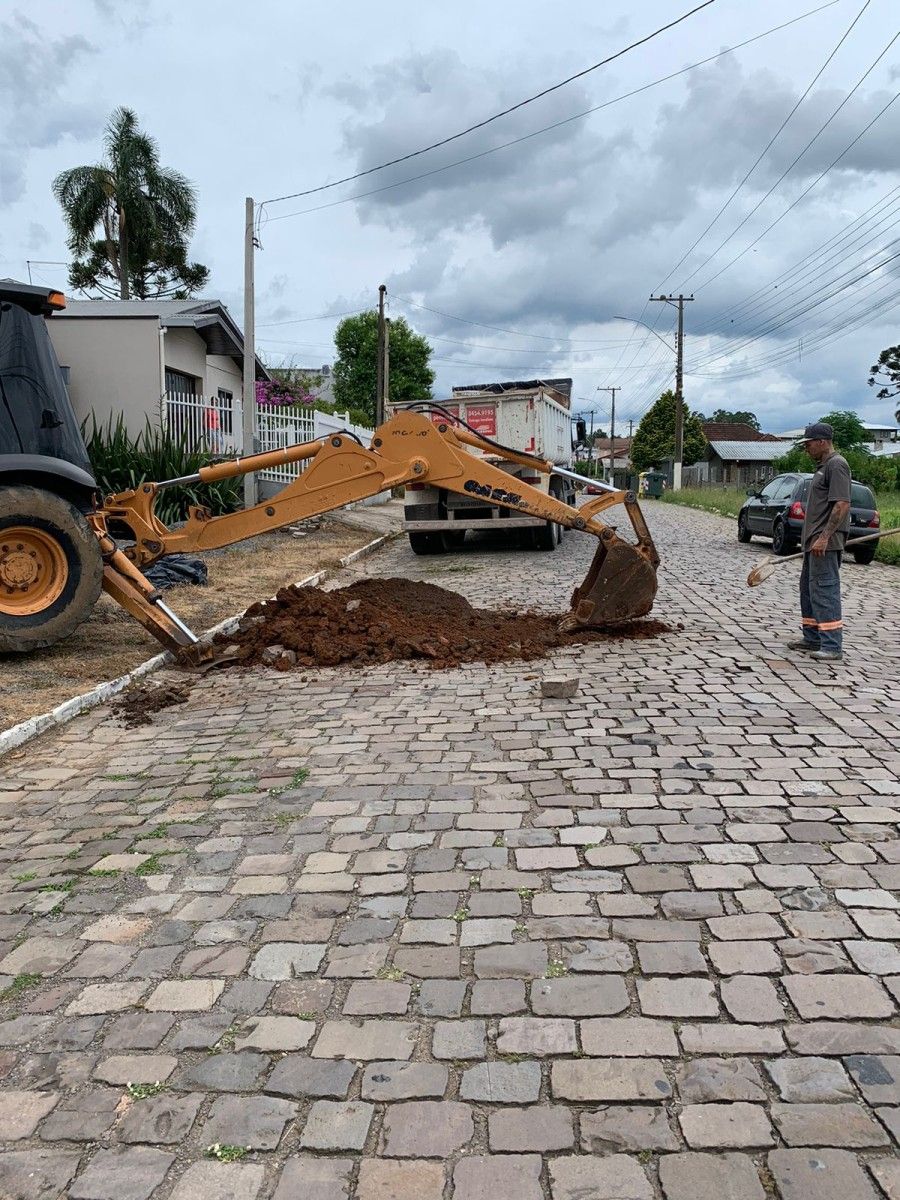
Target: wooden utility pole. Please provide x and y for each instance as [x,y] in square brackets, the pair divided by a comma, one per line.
[379,365]
[248,408]
[612,429]
[679,303]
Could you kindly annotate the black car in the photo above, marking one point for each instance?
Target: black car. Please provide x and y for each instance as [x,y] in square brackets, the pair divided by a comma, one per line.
[777,512]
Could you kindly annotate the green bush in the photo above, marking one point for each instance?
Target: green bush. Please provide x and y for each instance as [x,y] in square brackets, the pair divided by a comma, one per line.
[121,461]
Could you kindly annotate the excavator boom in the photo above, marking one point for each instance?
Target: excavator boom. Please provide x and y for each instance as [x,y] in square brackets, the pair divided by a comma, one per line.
[407,448]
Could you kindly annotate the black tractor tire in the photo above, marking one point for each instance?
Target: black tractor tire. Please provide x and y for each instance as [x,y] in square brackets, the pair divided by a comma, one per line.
[744,534]
[782,542]
[427,543]
[77,567]
[455,539]
[865,554]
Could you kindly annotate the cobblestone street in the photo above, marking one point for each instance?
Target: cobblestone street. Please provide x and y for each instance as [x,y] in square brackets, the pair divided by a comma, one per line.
[400,934]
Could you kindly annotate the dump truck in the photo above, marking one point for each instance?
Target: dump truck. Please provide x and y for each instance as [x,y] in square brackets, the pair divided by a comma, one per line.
[532,415]
[57,549]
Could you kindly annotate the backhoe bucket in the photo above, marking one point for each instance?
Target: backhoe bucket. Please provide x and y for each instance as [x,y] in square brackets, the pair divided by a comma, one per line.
[620,585]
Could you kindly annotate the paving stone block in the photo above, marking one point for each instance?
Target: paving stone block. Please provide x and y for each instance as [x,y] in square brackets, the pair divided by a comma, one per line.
[227,1072]
[583,996]
[616,1177]
[702,1080]
[106,998]
[536,1035]
[827,1125]
[626,1127]
[36,1174]
[296,1075]
[21,1112]
[458,1039]
[523,961]
[322,1178]
[220,1181]
[404,1081]
[720,1126]
[628,1037]
[337,1125]
[189,995]
[751,998]
[384,1179]
[377,997]
[426,1129]
[502,1083]
[122,1174]
[165,1119]
[677,997]
[539,1128]
[441,997]
[486,1177]
[840,996]
[745,958]
[694,1176]
[809,1080]
[497,997]
[84,1116]
[366,1041]
[823,1174]
[672,958]
[586,1081]
[285,960]
[136,1068]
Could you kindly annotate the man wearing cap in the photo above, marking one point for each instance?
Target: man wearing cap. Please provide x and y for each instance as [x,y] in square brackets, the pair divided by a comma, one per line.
[825,528]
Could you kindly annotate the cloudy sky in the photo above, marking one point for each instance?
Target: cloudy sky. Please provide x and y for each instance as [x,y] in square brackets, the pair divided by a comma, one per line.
[516,263]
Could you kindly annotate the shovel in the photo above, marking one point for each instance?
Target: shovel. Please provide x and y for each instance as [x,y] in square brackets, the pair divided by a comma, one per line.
[766,566]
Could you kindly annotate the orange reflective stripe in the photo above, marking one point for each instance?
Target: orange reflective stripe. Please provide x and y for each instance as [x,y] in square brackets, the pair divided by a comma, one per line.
[810,622]
[831,624]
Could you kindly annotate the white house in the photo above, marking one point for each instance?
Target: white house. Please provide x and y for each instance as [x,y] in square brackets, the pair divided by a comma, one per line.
[180,360]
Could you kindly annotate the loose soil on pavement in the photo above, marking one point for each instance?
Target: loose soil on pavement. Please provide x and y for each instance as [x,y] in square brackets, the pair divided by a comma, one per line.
[111,642]
[381,620]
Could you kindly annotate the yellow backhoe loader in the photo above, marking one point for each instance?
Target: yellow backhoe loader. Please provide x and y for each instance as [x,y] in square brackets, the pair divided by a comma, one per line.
[57,551]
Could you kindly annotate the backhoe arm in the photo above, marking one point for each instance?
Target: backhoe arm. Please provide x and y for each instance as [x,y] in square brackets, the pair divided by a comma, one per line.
[405,449]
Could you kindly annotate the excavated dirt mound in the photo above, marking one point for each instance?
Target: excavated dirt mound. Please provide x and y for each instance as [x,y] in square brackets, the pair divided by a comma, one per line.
[381,620]
[138,704]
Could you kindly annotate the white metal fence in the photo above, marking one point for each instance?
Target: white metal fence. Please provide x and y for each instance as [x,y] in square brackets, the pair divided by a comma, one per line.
[210,422]
[277,429]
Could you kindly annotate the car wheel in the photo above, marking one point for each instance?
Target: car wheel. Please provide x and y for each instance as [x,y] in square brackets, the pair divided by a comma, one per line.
[744,534]
[782,542]
[864,555]
[547,537]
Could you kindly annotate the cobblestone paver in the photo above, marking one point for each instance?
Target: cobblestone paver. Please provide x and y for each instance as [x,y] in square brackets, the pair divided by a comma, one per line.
[409,935]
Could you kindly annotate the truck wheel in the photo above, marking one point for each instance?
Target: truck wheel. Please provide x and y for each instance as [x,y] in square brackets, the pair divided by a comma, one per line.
[547,537]
[51,568]
[427,543]
[454,540]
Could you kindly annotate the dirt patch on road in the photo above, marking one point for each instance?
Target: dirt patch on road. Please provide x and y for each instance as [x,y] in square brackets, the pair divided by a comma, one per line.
[138,704]
[111,642]
[382,620]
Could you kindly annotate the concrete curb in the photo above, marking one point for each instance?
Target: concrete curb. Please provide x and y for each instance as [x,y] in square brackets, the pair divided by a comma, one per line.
[17,735]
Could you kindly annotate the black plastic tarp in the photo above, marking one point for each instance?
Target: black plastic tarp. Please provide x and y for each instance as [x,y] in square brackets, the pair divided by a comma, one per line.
[175,570]
[36,415]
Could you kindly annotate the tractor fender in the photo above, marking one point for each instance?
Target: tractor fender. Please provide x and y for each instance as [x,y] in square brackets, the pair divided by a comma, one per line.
[53,474]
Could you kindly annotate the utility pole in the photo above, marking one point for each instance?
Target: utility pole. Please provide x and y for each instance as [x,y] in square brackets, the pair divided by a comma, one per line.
[679,303]
[630,429]
[386,368]
[612,429]
[379,365]
[248,408]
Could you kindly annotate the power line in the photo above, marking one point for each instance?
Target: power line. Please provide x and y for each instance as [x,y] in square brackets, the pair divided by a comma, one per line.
[495,328]
[496,116]
[770,143]
[785,173]
[549,128]
[298,320]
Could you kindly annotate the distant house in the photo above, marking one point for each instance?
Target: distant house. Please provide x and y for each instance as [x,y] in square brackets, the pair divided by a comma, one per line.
[734,431]
[178,360]
[621,448]
[737,462]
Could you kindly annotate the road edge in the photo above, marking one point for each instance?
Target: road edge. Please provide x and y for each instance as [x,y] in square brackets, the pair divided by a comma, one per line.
[26,731]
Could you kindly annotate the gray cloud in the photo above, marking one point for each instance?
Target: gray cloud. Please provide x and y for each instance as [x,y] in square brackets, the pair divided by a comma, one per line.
[34,71]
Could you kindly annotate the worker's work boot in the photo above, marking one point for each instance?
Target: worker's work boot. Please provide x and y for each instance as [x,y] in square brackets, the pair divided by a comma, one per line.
[804,645]
[827,655]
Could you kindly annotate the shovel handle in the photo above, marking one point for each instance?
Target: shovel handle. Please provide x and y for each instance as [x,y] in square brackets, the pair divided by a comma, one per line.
[870,537]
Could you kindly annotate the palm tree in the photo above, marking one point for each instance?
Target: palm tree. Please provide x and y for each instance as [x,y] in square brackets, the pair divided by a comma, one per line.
[146,213]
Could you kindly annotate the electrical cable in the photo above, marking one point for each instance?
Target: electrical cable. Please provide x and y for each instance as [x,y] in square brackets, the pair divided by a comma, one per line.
[547,128]
[784,174]
[496,116]
[770,143]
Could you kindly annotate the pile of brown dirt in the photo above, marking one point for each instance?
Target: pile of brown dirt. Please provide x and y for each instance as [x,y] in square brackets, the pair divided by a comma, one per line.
[382,620]
[138,704]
